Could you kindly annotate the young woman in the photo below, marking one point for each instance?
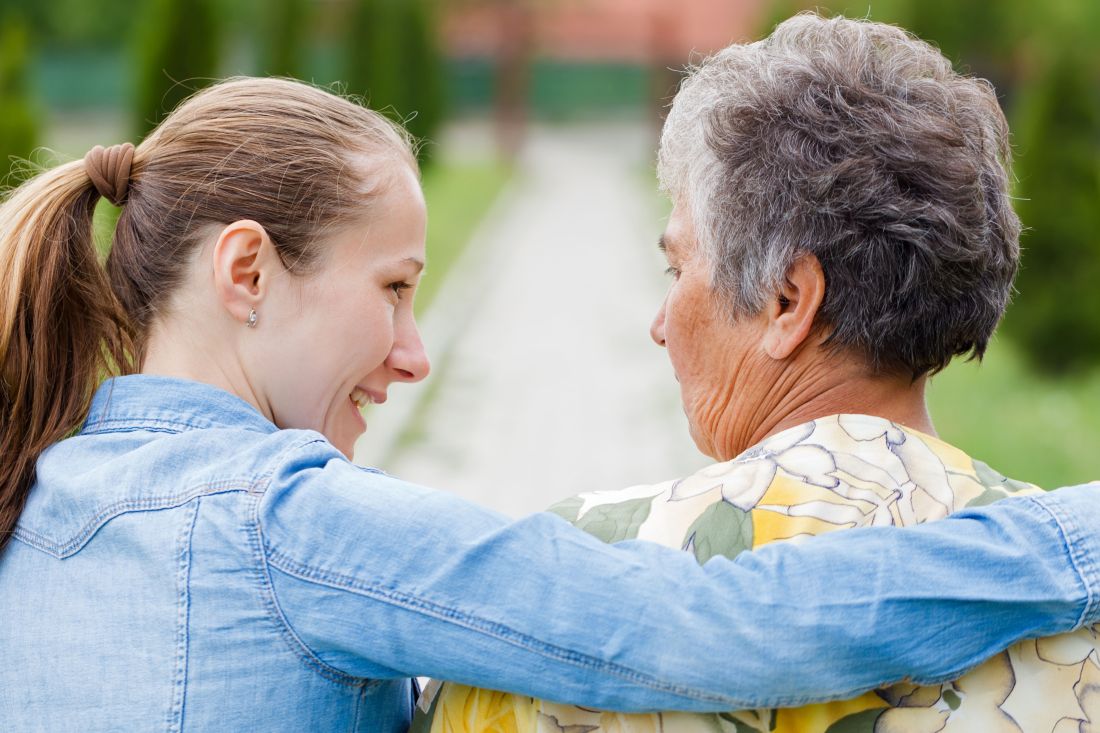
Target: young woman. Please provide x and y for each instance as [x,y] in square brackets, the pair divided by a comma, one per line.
[188,546]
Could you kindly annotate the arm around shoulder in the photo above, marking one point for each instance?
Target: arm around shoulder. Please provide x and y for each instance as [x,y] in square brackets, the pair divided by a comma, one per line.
[381,578]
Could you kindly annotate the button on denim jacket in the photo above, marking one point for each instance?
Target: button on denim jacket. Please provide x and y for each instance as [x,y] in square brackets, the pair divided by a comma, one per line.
[183,564]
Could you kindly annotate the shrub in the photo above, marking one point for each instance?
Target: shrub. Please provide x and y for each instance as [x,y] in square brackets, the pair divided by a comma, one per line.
[283,46]
[393,61]
[1056,316]
[178,50]
[18,124]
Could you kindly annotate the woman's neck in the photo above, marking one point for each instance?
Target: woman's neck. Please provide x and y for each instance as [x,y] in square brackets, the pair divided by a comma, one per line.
[829,387]
[179,350]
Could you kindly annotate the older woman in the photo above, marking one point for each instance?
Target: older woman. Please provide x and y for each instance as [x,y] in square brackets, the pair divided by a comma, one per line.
[841,230]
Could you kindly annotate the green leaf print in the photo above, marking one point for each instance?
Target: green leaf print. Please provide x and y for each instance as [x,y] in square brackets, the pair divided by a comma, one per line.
[996,486]
[615,522]
[991,478]
[863,722]
[722,529]
[568,509]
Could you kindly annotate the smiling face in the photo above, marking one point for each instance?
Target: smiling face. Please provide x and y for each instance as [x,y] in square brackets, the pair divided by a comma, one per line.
[338,337]
[719,362]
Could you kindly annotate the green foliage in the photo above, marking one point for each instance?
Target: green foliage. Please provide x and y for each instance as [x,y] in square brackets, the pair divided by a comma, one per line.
[18,124]
[177,53]
[882,11]
[394,62]
[1056,317]
[75,23]
[973,34]
[286,30]
[1028,426]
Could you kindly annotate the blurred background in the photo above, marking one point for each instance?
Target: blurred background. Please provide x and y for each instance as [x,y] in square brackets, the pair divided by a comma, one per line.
[540,119]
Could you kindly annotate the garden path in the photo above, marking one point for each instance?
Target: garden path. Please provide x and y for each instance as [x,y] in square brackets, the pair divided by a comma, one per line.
[545,380]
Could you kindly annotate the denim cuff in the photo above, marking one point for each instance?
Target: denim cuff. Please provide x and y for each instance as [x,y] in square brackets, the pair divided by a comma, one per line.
[1076,510]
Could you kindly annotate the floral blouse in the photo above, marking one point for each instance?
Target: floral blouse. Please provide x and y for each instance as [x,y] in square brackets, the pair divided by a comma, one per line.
[833,473]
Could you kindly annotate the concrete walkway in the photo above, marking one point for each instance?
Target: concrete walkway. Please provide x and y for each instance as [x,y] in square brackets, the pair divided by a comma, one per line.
[545,380]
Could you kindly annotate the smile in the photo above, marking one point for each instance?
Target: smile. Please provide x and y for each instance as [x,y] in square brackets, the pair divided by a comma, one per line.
[360,398]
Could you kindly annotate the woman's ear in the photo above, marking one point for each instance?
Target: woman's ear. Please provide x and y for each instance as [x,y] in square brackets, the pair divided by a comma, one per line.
[245,263]
[791,315]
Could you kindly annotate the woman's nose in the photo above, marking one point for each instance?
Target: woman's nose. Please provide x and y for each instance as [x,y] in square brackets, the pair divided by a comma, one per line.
[408,357]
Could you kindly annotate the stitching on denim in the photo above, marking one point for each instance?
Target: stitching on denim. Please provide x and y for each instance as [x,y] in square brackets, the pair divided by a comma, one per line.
[162,424]
[271,605]
[129,424]
[133,429]
[106,406]
[119,508]
[1033,504]
[183,618]
[267,589]
[1071,539]
[257,485]
[489,628]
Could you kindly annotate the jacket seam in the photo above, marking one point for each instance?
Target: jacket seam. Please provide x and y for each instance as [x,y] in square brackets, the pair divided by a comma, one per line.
[154,424]
[130,427]
[126,506]
[294,642]
[1071,551]
[271,606]
[492,629]
[183,618]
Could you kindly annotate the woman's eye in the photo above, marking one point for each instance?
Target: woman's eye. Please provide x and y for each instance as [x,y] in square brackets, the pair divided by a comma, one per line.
[398,287]
[670,270]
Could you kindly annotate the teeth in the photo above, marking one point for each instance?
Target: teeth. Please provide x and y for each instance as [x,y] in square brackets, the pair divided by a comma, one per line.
[360,398]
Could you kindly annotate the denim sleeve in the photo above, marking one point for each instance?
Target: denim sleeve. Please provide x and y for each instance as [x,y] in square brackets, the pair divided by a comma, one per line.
[377,578]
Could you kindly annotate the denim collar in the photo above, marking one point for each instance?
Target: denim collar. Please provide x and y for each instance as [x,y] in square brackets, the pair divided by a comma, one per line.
[167,404]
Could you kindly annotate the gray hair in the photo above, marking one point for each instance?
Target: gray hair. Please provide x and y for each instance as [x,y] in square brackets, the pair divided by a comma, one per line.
[858,143]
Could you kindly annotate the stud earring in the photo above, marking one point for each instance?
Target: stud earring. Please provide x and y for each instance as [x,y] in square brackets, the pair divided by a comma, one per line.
[252,318]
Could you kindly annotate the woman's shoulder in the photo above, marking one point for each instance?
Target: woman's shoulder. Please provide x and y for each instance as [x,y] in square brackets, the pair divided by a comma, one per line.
[832,473]
[90,479]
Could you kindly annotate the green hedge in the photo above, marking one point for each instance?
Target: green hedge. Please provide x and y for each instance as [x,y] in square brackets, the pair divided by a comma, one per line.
[177,52]
[18,122]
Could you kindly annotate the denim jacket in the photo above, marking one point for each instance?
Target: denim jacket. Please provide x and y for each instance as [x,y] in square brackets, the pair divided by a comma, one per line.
[184,564]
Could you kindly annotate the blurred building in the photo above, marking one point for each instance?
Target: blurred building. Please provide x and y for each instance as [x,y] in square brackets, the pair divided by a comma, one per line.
[558,58]
[639,31]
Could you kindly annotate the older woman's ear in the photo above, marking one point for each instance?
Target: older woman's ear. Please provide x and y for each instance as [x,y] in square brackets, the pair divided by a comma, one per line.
[791,315]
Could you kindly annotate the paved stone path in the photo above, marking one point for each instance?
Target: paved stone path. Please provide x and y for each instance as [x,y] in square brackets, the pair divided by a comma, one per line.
[545,380]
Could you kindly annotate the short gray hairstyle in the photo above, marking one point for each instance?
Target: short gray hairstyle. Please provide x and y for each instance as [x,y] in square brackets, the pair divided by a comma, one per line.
[858,143]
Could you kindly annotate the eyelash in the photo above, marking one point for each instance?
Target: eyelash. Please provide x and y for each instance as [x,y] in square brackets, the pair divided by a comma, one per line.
[397,287]
[672,271]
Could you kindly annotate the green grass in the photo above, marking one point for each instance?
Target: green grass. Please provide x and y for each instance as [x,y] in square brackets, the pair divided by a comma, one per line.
[458,195]
[1028,427]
